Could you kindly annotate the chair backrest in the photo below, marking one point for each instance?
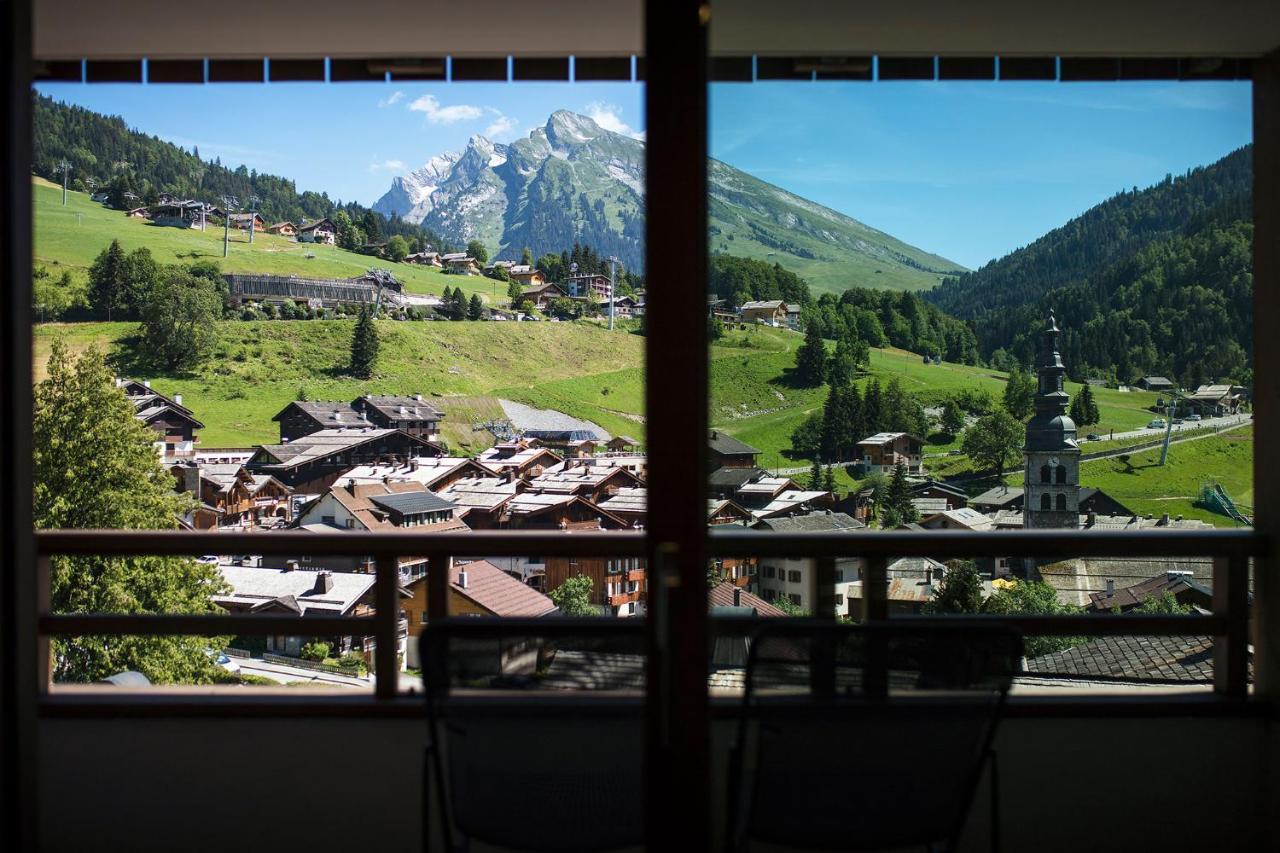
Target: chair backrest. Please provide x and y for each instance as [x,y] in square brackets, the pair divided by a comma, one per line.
[560,776]
[868,737]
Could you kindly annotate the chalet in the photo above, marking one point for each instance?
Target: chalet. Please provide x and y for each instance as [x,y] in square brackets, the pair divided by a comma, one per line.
[793,318]
[792,501]
[401,505]
[772,312]
[727,599]
[738,571]
[548,511]
[594,484]
[174,422]
[101,197]
[635,463]
[460,262]
[1009,498]
[482,499]
[429,259]
[178,214]
[283,229]
[999,498]
[139,213]
[293,591]
[245,221]
[519,459]
[951,496]
[1154,383]
[232,496]
[436,473]
[957,519]
[618,584]
[540,296]
[621,444]
[792,577]
[1216,400]
[529,276]
[756,493]
[410,414]
[320,231]
[413,415]
[1186,662]
[376,248]
[1182,585]
[623,306]
[588,284]
[314,462]
[727,452]
[884,451]
[912,584]
[493,266]
[476,588]
[629,504]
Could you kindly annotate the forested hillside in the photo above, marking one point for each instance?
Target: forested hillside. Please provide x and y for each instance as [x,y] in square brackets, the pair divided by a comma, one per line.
[1150,281]
[106,154]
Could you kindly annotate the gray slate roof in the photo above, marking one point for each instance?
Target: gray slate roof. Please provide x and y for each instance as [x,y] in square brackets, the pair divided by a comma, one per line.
[810,523]
[1152,659]
[727,444]
[408,503]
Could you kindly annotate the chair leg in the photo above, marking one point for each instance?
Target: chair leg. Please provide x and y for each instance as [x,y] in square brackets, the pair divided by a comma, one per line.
[995,801]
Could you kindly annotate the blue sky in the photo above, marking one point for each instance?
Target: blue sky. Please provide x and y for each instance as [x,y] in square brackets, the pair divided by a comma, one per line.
[967,170]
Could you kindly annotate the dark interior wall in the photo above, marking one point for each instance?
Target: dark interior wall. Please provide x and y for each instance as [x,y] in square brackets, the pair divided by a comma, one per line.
[310,786]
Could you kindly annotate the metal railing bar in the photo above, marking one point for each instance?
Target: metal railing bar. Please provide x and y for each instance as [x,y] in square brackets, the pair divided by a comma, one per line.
[500,543]
[1100,624]
[722,543]
[386,593]
[162,624]
[1009,543]
[1230,643]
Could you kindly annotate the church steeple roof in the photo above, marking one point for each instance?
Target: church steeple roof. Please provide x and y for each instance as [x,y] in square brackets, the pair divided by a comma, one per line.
[1050,428]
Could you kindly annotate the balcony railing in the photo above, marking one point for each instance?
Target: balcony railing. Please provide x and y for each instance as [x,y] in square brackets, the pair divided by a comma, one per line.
[1227,624]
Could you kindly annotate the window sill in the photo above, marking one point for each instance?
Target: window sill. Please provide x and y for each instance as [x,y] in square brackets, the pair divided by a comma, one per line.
[91,703]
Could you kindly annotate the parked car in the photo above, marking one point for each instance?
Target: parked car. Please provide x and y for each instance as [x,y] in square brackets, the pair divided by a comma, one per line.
[1158,423]
[222,660]
[208,560]
[1093,436]
[1193,417]
[1177,421]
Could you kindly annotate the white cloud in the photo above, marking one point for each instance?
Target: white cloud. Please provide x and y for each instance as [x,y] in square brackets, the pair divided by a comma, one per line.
[394,98]
[387,166]
[502,128]
[609,116]
[437,114]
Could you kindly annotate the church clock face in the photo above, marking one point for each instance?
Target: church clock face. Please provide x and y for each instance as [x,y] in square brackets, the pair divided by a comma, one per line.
[1053,460]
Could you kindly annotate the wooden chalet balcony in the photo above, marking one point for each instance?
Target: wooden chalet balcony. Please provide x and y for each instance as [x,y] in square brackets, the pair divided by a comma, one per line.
[636,575]
[619,599]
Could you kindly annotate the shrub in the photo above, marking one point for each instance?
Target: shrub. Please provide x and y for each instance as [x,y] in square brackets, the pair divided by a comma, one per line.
[351,660]
[315,652]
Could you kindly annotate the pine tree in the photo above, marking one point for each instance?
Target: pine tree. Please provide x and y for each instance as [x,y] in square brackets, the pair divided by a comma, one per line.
[1019,394]
[829,480]
[364,345]
[107,280]
[952,418]
[811,357]
[815,476]
[95,466]
[898,499]
[514,292]
[526,257]
[475,308]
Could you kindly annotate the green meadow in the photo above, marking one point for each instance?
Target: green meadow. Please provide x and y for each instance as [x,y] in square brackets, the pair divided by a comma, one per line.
[72,236]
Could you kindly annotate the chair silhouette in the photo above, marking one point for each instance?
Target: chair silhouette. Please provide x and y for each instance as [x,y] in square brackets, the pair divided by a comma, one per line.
[550,774]
[866,738]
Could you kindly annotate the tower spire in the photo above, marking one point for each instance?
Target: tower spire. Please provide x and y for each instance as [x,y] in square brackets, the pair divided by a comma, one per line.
[1051,494]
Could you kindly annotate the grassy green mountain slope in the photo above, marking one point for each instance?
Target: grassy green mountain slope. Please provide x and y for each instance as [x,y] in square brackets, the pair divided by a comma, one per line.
[755,219]
[70,237]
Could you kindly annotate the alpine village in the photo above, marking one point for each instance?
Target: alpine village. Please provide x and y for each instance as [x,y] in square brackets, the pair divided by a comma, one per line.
[217,350]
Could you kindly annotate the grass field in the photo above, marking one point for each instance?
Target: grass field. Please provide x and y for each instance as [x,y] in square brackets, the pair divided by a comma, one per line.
[1148,489]
[259,367]
[72,236]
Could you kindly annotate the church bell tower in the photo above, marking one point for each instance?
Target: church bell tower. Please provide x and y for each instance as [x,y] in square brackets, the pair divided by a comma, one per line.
[1051,476]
